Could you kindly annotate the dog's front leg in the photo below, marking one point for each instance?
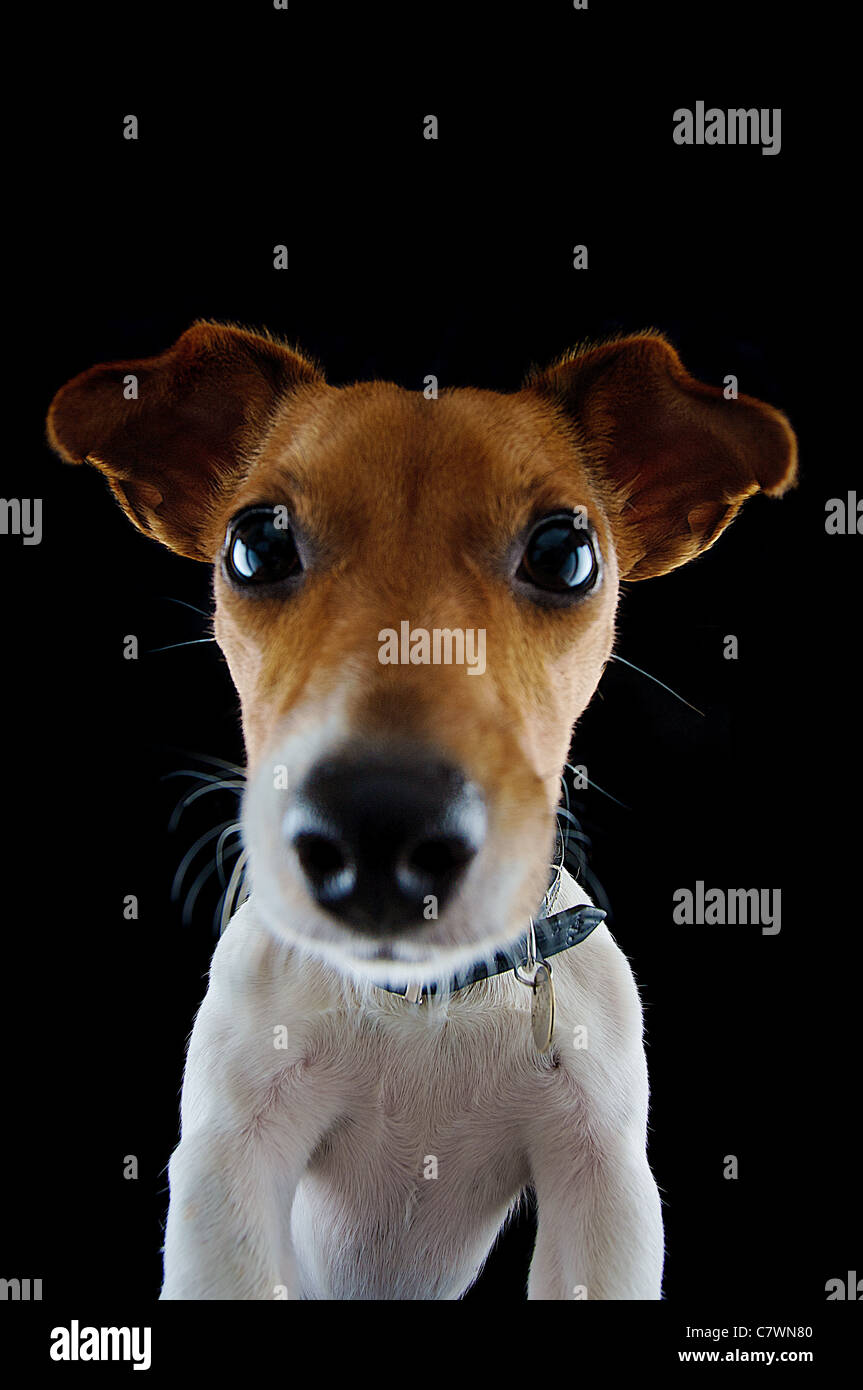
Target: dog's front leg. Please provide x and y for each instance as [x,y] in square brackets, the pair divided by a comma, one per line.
[600,1220]
[228,1229]
[600,1225]
[255,1106]
[220,1240]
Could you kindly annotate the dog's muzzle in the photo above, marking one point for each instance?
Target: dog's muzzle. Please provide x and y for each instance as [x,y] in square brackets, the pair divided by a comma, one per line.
[383,841]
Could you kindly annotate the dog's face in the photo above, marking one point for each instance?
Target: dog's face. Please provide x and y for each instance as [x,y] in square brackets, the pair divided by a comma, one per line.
[416,600]
[458,516]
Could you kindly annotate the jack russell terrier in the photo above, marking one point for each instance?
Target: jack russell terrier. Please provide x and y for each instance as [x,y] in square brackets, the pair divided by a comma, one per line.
[405,1027]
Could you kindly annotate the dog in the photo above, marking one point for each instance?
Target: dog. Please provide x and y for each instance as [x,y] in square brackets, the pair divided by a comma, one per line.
[406,1027]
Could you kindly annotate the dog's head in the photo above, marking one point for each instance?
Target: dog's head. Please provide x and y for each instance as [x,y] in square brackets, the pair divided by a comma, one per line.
[416,599]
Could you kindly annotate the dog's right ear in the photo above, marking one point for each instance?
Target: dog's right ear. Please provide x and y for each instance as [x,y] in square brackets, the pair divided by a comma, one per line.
[172,433]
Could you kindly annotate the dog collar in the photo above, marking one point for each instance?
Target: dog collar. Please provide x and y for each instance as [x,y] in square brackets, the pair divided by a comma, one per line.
[553,935]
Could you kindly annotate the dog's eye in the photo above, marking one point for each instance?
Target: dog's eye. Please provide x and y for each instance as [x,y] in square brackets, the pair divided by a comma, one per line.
[560,557]
[260,547]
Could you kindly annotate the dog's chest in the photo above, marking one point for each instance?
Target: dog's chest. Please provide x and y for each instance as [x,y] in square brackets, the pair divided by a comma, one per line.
[420,1169]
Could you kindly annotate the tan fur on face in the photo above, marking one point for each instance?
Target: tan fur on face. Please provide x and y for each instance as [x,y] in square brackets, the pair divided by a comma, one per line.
[400,538]
[404,535]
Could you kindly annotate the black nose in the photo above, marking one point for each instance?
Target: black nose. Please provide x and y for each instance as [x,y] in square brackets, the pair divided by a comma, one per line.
[378,836]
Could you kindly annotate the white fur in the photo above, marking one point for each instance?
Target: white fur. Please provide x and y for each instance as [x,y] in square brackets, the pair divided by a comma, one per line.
[302,1170]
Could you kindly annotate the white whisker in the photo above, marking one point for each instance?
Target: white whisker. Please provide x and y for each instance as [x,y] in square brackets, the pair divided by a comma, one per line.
[656,681]
[208,758]
[166,598]
[225,828]
[235,829]
[195,642]
[214,785]
[236,885]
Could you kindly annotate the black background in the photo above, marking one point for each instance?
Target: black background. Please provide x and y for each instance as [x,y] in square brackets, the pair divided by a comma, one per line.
[452,257]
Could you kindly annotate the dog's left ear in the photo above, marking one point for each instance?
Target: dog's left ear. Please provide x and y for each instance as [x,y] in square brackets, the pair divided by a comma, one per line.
[674,457]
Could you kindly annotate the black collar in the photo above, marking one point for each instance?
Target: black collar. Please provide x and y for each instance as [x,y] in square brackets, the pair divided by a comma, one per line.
[553,935]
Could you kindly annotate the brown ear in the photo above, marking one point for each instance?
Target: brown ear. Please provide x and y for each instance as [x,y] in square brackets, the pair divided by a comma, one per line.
[677,458]
[201,408]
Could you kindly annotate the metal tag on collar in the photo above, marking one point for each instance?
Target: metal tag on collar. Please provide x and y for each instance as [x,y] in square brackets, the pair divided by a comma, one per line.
[414,994]
[538,976]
